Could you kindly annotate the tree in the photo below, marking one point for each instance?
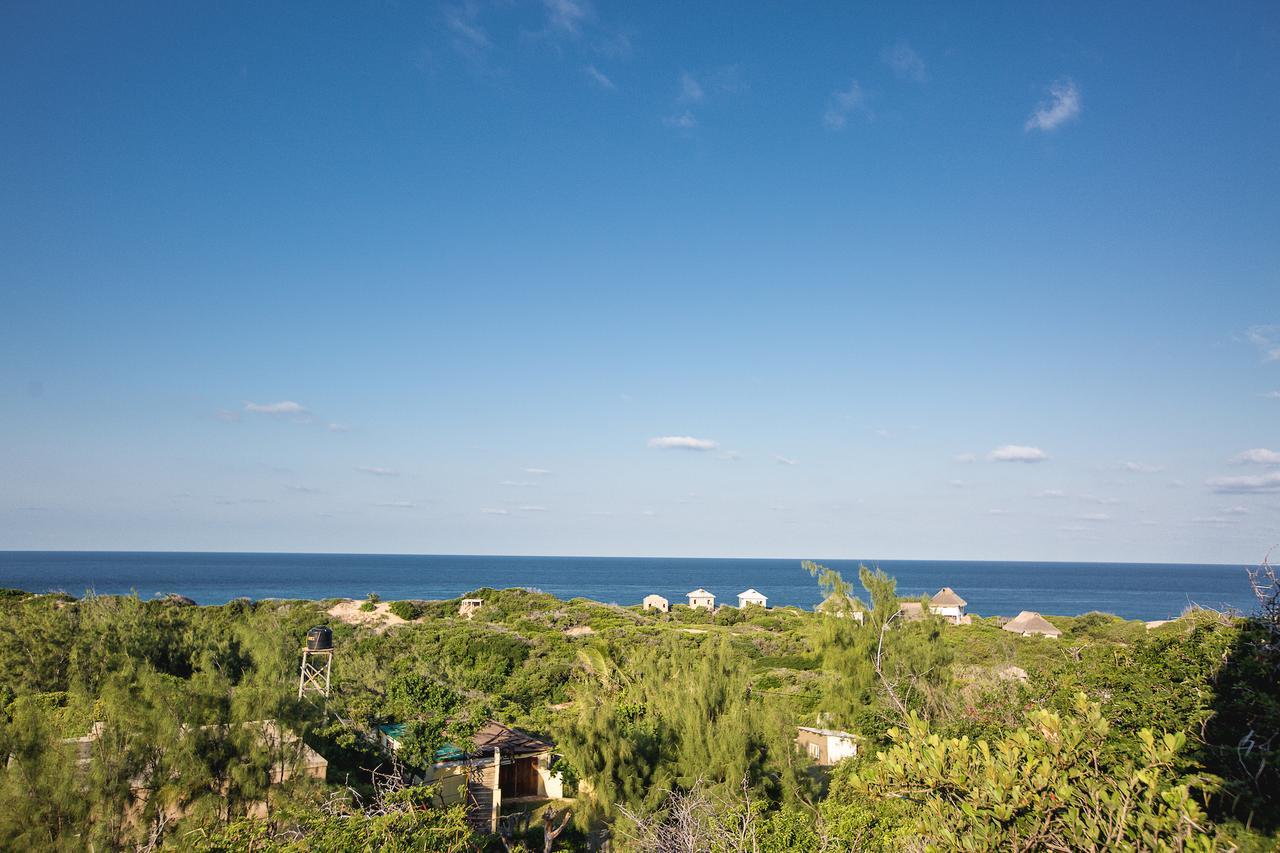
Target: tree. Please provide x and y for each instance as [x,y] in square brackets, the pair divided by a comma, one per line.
[884,665]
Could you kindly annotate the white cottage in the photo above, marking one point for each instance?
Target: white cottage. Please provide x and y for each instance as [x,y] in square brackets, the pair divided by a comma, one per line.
[700,598]
[948,605]
[752,597]
[656,602]
[826,746]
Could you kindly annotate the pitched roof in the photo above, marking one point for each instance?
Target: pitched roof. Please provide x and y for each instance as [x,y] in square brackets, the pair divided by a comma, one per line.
[510,741]
[946,597]
[700,592]
[750,593]
[1030,622]
[911,610]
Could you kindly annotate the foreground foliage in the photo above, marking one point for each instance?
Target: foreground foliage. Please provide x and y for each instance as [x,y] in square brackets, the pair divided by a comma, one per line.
[676,728]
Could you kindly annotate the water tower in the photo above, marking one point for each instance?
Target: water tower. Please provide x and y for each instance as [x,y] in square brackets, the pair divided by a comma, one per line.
[317,662]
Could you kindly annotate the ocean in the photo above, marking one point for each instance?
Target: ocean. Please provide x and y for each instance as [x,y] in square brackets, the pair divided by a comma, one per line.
[1131,590]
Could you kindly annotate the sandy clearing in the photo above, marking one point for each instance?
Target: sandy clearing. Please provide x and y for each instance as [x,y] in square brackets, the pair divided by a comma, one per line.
[380,618]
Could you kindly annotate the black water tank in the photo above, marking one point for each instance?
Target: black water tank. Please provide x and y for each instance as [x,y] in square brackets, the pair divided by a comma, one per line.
[319,639]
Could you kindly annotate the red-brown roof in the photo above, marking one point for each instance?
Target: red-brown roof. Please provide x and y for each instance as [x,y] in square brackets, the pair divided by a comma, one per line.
[511,741]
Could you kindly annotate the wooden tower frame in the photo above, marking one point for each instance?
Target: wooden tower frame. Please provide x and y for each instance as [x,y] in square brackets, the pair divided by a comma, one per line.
[314,677]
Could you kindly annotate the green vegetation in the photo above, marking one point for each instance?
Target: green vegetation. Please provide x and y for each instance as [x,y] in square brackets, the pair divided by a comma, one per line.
[674,728]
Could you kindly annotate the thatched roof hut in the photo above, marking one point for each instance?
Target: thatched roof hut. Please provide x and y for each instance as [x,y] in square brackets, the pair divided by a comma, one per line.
[1029,622]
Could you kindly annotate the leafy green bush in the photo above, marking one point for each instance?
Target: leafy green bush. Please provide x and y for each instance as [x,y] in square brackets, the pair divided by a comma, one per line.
[1041,787]
[406,610]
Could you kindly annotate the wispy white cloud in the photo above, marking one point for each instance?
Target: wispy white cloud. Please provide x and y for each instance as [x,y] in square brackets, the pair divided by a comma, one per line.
[685,120]
[303,490]
[1236,510]
[1017,453]
[518,484]
[377,472]
[1257,456]
[695,90]
[1063,105]
[395,504]
[1214,520]
[905,62]
[965,457]
[729,456]
[1094,516]
[488,510]
[997,512]
[284,407]
[463,21]
[783,460]
[1270,395]
[1051,493]
[1267,340]
[1140,468]
[537,472]
[1095,499]
[682,442]
[598,77]
[1269,482]
[957,484]
[531,508]
[567,16]
[338,428]
[227,416]
[691,91]
[842,104]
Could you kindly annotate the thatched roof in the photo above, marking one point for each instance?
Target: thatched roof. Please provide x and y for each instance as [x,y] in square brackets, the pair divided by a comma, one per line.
[1030,622]
[946,597]
[911,610]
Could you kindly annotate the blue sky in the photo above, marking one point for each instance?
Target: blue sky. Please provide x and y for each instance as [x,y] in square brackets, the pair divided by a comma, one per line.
[579,278]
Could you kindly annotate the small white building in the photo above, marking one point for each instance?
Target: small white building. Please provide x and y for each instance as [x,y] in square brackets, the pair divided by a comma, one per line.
[752,597]
[826,746]
[469,606]
[948,605]
[1028,622]
[656,602]
[700,598]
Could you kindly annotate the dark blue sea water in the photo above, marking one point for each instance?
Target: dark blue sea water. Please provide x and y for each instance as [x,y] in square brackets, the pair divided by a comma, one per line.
[1132,590]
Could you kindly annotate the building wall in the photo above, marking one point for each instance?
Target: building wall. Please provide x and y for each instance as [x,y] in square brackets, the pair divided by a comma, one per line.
[706,603]
[948,611]
[839,748]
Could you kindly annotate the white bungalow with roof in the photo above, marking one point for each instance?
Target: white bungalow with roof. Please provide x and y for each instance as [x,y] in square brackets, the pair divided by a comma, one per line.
[752,597]
[656,602]
[1028,622]
[826,746]
[948,605]
[700,598]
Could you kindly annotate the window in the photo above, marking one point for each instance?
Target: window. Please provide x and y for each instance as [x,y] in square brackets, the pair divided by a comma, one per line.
[815,751]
